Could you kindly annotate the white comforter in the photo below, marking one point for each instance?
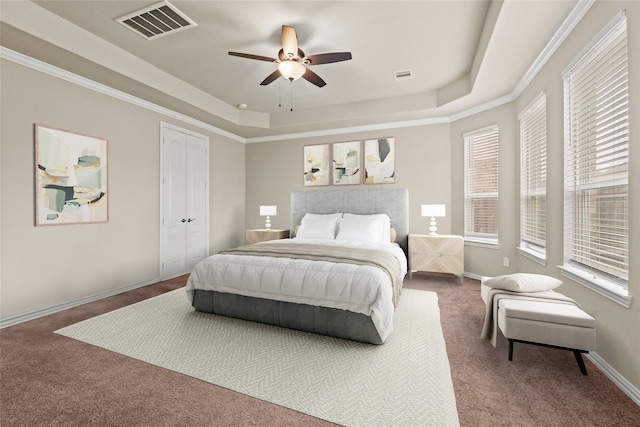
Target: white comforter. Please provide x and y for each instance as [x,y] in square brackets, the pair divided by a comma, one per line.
[359,288]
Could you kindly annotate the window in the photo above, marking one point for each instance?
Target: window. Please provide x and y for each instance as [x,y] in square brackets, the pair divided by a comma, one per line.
[533,179]
[596,166]
[481,185]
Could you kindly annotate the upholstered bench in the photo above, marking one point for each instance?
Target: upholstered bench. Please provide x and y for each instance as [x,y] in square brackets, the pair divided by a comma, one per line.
[527,310]
[550,324]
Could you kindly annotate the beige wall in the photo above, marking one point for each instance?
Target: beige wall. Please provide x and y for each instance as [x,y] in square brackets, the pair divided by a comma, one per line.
[46,266]
[618,340]
[275,169]
[430,164]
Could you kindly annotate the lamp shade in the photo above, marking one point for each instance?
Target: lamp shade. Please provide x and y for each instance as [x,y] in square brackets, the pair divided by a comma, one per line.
[268,210]
[433,210]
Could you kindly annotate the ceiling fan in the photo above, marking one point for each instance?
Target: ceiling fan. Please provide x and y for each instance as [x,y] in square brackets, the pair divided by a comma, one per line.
[292,63]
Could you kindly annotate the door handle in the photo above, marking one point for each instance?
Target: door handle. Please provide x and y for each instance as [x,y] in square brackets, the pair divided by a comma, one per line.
[183,220]
[191,219]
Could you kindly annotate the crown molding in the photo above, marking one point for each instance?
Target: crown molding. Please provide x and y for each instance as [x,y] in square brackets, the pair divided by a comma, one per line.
[568,25]
[339,131]
[51,70]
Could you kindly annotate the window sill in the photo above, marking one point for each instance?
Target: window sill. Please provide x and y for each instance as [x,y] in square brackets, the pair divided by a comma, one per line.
[481,243]
[538,257]
[599,285]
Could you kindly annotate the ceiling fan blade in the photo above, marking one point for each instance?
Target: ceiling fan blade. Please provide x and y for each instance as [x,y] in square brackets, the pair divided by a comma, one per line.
[289,41]
[271,77]
[327,58]
[312,77]
[250,56]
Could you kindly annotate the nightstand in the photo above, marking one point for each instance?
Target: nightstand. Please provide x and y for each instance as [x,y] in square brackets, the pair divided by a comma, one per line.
[264,234]
[435,253]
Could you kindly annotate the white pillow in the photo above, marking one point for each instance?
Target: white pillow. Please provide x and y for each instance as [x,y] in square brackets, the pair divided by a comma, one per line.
[336,216]
[523,282]
[385,230]
[363,228]
[315,226]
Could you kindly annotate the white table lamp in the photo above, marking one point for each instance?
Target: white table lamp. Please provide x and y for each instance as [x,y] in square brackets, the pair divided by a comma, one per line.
[433,211]
[268,211]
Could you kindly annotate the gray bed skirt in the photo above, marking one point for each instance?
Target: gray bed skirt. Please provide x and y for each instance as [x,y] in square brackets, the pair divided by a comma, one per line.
[320,320]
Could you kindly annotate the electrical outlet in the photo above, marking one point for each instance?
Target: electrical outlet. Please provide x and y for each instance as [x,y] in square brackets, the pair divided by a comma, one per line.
[505,262]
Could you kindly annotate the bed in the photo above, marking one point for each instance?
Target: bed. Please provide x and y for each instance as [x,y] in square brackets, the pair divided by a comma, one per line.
[340,275]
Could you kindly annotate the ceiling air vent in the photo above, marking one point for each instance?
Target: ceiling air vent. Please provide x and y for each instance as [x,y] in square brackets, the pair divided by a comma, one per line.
[403,75]
[157,20]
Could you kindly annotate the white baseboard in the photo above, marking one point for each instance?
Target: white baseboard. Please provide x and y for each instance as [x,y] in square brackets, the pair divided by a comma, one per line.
[473,275]
[621,382]
[25,317]
[629,389]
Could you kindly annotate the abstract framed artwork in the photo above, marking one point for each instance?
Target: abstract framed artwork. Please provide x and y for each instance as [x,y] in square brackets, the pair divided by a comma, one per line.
[71,177]
[379,161]
[346,163]
[316,165]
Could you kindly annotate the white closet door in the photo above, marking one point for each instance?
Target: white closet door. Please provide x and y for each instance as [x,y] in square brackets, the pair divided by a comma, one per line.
[184,215]
[196,201]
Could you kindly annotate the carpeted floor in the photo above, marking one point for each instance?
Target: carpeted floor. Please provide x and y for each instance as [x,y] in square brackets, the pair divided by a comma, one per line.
[406,381]
[540,387]
[49,380]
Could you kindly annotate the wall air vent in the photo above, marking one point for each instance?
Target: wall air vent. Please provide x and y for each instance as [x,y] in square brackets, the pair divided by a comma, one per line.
[157,20]
[403,75]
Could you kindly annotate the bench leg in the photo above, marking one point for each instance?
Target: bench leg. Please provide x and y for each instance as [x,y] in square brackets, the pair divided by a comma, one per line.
[578,355]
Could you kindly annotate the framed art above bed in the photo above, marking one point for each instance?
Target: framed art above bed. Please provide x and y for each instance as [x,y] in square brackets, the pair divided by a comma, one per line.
[346,163]
[316,165]
[379,161]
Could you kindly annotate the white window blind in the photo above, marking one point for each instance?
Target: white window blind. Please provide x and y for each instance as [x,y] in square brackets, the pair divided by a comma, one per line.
[481,185]
[596,161]
[533,177]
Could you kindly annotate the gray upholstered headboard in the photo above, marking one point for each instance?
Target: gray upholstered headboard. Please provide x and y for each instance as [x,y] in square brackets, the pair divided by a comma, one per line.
[392,201]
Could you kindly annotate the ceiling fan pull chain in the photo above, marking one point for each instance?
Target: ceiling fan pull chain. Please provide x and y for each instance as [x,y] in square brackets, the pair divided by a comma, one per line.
[279,94]
[291,94]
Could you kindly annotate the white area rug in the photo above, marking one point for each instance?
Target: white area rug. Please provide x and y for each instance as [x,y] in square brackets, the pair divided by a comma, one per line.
[404,382]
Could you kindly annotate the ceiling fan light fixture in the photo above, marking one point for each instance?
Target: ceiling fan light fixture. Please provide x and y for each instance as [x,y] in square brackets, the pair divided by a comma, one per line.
[293,66]
[291,70]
